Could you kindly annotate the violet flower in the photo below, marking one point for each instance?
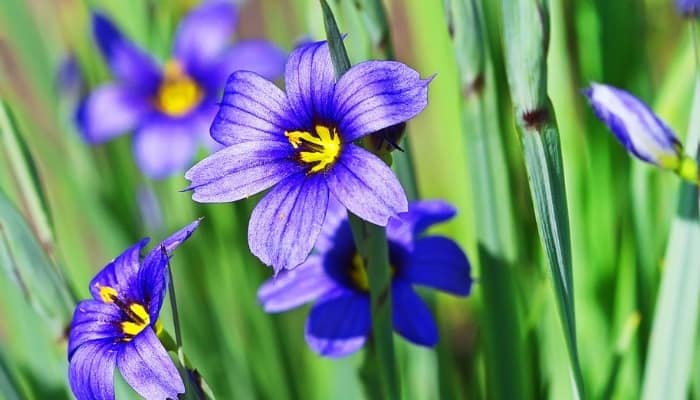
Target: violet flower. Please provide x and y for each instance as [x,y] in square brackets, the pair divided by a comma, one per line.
[688,8]
[301,145]
[335,278]
[170,106]
[117,328]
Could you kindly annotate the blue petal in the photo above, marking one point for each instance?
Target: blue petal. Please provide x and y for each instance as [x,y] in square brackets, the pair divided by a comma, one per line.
[147,368]
[255,55]
[120,274]
[179,237]
[336,216]
[164,146]
[690,8]
[366,186]
[128,63]
[203,36]
[339,324]
[635,125]
[91,370]
[153,281]
[377,94]
[309,81]
[438,262]
[291,289]
[411,317]
[93,320]
[285,224]
[241,170]
[421,215]
[109,111]
[153,276]
[252,109]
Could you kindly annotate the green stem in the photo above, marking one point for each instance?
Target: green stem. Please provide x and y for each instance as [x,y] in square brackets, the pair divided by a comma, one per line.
[195,386]
[371,244]
[173,302]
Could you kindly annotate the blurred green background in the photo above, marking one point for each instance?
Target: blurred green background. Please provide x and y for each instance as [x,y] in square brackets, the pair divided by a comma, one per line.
[620,211]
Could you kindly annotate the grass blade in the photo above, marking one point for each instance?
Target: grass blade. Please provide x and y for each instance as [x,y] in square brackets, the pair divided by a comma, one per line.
[669,360]
[495,226]
[526,39]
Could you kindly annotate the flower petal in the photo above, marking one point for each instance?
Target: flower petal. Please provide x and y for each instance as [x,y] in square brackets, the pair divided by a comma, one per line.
[309,81]
[336,216]
[91,370]
[164,146]
[339,324]
[203,36]
[120,274]
[252,109]
[153,276]
[179,237]
[411,317]
[148,369]
[256,55]
[93,320]
[240,170]
[366,186]
[129,64]
[285,224]
[153,281]
[377,94]
[420,216]
[688,8]
[635,125]
[438,262]
[292,288]
[109,111]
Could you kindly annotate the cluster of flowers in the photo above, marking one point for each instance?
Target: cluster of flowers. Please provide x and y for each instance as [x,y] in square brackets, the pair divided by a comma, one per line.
[301,145]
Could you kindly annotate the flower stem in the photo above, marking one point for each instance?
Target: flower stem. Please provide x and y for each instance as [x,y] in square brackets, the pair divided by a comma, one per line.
[196,387]
[371,243]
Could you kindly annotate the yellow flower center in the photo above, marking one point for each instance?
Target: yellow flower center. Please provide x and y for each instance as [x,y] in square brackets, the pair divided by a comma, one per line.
[137,315]
[319,148]
[178,94]
[358,273]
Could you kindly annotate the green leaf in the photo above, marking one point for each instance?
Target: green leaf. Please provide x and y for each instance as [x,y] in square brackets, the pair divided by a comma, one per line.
[670,355]
[526,40]
[24,261]
[25,173]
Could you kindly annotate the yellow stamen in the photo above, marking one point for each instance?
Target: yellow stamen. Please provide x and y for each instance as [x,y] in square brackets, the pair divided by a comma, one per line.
[322,147]
[178,94]
[139,321]
[358,273]
[107,294]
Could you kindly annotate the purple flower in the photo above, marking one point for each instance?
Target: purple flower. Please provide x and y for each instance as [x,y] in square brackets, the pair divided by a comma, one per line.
[171,106]
[301,145]
[116,327]
[335,277]
[636,126]
[688,8]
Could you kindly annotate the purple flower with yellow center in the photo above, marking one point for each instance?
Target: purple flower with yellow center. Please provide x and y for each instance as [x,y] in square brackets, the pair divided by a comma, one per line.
[301,145]
[688,8]
[170,106]
[640,130]
[335,278]
[117,328]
